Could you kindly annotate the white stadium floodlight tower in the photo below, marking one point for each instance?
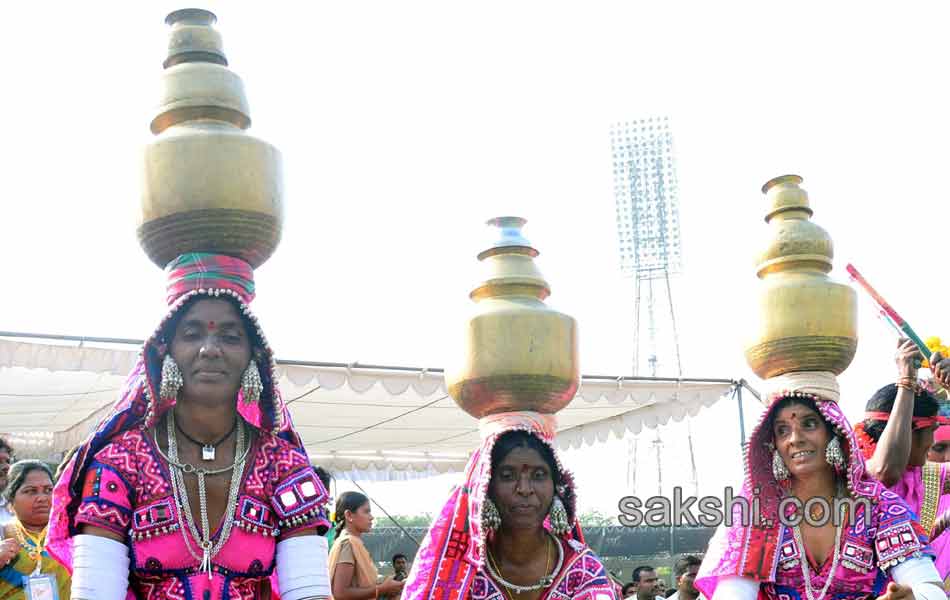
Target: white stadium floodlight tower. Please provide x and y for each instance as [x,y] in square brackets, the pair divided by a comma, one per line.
[648,231]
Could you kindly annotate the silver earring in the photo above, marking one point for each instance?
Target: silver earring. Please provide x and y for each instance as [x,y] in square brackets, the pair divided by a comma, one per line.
[557,516]
[491,518]
[778,467]
[834,454]
[251,383]
[171,378]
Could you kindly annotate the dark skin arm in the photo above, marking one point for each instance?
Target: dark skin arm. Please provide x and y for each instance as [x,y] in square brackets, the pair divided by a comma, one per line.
[342,590]
[890,457]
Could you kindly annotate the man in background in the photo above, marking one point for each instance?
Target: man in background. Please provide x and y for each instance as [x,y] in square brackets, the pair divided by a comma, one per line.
[685,571]
[6,457]
[645,579]
[400,566]
[629,591]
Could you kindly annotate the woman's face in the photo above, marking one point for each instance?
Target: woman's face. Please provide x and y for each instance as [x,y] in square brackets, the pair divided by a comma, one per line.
[212,349]
[921,442]
[361,519]
[801,437]
[522,487]
[32,501]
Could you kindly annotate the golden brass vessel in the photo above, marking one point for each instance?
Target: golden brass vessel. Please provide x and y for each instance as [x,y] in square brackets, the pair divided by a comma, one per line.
[207,185]
[518,354]
[806,321]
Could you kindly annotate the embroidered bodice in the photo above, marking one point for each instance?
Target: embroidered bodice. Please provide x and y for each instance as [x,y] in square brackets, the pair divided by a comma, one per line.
[128,490]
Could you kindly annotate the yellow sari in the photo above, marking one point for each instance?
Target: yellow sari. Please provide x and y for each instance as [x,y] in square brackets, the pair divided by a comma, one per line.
[22,566]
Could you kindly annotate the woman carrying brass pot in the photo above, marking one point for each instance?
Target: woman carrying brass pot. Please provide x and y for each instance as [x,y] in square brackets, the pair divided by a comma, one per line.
[510,530]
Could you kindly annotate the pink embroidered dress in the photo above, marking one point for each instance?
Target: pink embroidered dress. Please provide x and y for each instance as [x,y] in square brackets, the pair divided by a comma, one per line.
[450,563]
[118,480]
[872,542]
[927,491]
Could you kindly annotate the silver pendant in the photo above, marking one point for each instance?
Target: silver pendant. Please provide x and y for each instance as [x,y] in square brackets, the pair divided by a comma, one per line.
[207,453]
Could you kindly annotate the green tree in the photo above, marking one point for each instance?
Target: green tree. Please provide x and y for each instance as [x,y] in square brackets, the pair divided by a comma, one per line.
[595,518]
[423,520]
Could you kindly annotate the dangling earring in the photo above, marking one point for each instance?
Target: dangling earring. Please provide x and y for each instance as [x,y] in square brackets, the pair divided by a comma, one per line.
[171,378]
[491,518]
[251,384]
[834,454]
[557,516]
[778,467]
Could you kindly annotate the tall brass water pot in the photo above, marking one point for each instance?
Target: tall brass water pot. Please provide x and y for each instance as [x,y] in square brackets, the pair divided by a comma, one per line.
[805,321]
[517,353]
[207,184]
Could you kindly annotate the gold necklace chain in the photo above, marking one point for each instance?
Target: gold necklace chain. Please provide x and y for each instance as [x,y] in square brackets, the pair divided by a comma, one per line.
[35,551]
[497,569]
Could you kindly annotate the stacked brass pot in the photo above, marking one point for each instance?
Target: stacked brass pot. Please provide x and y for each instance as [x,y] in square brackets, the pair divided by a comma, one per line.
[805,321]
[208,186]
[518,354]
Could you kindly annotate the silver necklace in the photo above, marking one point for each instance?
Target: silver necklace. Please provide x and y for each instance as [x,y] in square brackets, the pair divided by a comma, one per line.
[207,546]
[542,583]
[809,592]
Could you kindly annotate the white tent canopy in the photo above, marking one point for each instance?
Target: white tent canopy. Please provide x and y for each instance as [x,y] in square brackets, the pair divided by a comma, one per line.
[358,421]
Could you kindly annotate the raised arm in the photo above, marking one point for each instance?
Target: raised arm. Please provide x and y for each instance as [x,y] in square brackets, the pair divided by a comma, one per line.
[893,448]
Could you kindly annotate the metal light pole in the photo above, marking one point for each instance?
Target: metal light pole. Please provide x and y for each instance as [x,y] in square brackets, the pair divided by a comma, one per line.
[646,194]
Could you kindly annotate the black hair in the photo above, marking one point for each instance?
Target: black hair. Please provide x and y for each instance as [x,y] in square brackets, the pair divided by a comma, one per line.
[348,501]
[925,405]
[395,556]
[683,564]
[639,570]
[18,472]
[5,445]
[324,477]
[627,586]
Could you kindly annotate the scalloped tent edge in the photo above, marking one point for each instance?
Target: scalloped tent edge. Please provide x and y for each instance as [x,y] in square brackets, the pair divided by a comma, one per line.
[366,422]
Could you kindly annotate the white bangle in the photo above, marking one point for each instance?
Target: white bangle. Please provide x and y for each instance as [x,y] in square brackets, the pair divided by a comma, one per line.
[100,568]
[302,570]
[922,577]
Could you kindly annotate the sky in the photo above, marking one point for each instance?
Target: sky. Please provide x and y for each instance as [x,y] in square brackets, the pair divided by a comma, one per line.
[404,126]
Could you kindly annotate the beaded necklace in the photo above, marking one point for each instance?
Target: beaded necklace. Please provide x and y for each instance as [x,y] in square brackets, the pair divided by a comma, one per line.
[545,581]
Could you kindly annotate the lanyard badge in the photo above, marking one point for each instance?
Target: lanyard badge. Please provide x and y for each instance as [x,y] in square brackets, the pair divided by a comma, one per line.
[40,587]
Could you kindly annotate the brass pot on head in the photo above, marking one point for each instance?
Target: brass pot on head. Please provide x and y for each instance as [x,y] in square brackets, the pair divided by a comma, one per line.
[518,353]
[805,320]
[207,185]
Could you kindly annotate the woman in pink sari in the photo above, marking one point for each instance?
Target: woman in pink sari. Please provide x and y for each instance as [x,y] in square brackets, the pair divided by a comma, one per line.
[196,485]
[896,436]
[509,532]
[803,455]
